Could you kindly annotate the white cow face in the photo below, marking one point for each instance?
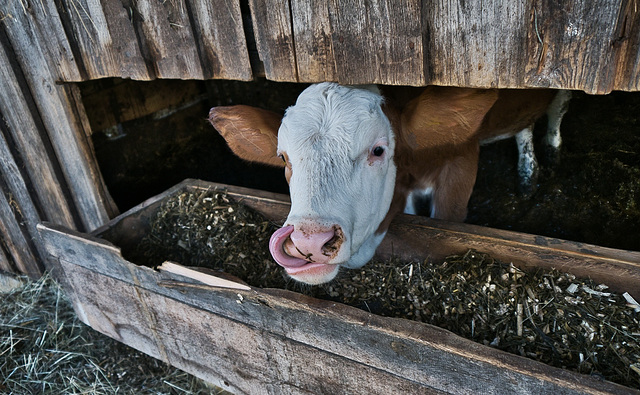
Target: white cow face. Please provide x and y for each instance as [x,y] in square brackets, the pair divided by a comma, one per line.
[338,148]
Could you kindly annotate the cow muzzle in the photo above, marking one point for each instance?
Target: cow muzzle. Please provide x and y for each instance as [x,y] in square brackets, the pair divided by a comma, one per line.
[307,256]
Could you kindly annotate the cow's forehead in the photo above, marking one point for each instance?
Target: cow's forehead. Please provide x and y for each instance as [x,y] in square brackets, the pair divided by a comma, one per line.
[332,114]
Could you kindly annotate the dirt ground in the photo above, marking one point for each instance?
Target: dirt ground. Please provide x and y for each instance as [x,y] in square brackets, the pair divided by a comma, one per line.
[592,195]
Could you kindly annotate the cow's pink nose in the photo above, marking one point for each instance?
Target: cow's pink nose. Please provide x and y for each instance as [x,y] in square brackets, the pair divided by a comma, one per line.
[310,246]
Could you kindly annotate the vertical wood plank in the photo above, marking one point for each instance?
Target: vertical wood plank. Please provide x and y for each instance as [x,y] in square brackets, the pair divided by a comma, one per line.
[106,42]
[220,39]
[13,240]
[126,45]
[472,43]
[60,119]
[628,41]
[274,38]
[26,139]
[166,38]
[16,215]
[575,45]
[313,41]
[40,23]
[5,265]
[378,41]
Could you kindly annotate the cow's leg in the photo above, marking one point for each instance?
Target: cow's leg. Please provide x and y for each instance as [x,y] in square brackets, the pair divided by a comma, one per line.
[527,163]
[454,184]
[555,112]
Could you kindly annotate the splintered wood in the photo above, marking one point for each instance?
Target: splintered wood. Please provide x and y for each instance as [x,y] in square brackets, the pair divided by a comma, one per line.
[548,316]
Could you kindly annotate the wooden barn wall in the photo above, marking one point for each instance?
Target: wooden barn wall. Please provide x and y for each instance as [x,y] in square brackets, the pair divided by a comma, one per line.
[47,166]
[585,45]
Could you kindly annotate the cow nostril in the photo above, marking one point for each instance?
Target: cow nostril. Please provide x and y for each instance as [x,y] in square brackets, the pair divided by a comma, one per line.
[319,245]
[331,247]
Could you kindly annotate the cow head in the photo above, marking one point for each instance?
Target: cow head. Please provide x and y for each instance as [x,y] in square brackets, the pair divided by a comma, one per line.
[341,148]
[337,147]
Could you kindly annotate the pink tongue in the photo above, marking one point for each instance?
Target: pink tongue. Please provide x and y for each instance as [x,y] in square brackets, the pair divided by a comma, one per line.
[276,244]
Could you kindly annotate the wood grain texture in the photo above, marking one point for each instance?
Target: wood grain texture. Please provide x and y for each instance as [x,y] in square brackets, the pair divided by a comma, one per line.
[36,27]
[125,42]
[590,46]
[274,341]
[478,44]
[25,138]
[272,26]
[105,41]
[377,41]
[166,38]
[315,55]
[6,265]
[220,39]
[628,47]
[58,110]
[21,256]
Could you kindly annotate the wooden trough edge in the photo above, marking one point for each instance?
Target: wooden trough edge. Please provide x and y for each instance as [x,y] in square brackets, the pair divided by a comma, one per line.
[410,354]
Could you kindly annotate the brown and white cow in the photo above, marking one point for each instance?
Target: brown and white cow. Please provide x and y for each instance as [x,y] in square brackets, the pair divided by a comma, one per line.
[355,158]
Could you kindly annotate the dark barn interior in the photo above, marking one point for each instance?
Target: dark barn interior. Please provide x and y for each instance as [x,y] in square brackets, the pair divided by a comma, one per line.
[149,136]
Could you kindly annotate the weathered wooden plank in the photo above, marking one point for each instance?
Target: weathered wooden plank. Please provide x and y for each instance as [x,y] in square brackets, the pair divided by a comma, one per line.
[41,30]
[221,39]
[316,60]
[265,340]
[377,41]
[166,38]
[15,238]
[126,45]
[274,39]
[627,40]
[575,47]
[5,264]
[105,39]
[28,141]
[204,344]
[475,43]
[108,36]
[58,110]
[351,42]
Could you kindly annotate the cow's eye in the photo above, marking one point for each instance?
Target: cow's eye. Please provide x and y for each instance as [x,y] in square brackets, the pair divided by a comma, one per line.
[282,157]
[378,151]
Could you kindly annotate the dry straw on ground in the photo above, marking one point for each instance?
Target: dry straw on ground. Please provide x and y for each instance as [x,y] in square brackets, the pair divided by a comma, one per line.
[45,349]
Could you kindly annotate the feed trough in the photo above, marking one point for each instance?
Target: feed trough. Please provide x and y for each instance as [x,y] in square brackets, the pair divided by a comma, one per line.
[246,339]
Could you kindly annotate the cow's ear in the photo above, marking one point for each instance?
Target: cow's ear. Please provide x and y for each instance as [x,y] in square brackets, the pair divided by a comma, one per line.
[250,132]
[445,115]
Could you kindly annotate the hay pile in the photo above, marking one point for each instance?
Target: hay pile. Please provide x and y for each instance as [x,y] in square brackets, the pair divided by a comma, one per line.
[548,316]
[45,349]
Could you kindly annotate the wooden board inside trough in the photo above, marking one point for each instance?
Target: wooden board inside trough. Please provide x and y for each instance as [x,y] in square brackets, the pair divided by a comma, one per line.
[256,340]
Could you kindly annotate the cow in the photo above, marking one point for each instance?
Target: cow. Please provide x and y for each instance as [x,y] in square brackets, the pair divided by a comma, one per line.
[354,157]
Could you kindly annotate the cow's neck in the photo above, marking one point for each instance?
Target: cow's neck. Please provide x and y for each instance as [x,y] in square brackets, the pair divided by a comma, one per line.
[405,174]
